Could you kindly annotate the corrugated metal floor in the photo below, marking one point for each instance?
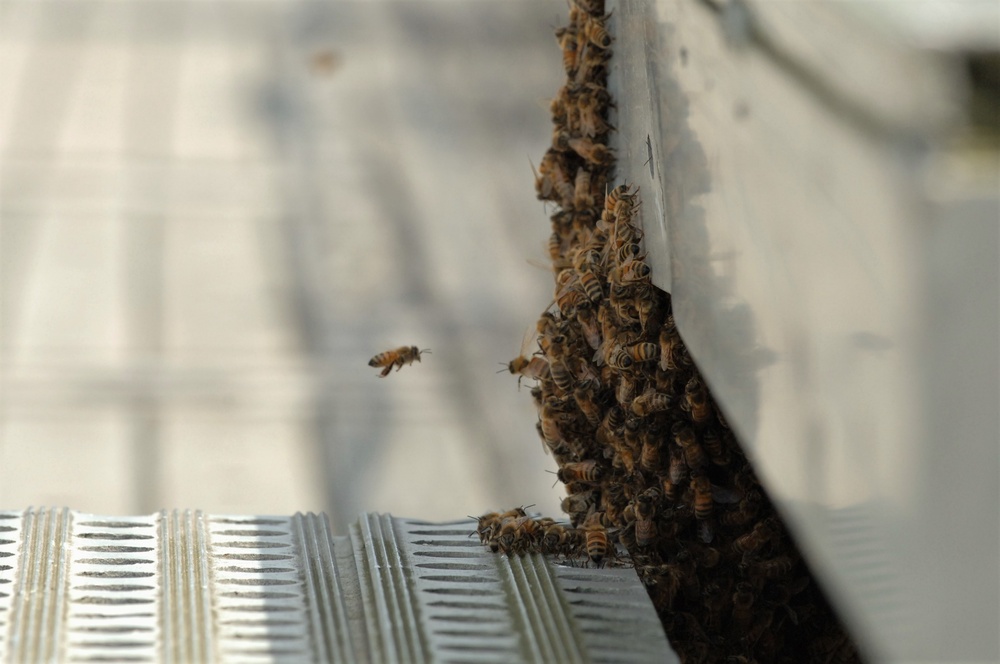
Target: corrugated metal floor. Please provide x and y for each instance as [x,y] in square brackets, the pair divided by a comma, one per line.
[213,213]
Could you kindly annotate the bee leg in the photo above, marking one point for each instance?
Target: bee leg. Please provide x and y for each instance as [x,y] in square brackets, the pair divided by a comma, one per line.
[385,372]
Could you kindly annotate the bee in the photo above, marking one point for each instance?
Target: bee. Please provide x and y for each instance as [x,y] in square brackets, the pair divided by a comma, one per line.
[685,437]
[702,497]
[396,358]
[773,568]
[596,538]
[629,251]
[584,472]
[589,327]
[591,286]
[619,358]
[561,376]
[578,505]
[650,402]
[584,394]
[570,49]
[671,347]
[643,352]
[591,152]
[488,525]
[561,539]
[630,272]
[649,460]
[569,298]
[717,450]
[582,197]
[520,535]
[742,608]
[625,392]
[621,194]
[753,541]
[696,400]
[664,582]
[535,367]
[554,179]
[645,511]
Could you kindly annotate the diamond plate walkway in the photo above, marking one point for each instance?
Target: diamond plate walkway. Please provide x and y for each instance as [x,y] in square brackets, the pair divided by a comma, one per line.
[184,586]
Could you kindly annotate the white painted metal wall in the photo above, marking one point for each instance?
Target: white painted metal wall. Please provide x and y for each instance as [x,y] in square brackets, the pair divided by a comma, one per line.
[831,242]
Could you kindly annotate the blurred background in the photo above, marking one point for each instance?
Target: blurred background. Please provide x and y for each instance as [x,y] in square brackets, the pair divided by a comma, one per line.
[212,214]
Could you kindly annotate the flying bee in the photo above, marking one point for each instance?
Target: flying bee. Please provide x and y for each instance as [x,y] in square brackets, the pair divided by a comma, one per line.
[396,358]
[535,367]
[702,497]
[650,402]
[591,152]
[585,396]
[584,472]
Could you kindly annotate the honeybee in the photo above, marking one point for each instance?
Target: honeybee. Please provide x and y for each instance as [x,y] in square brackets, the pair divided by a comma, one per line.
[396,358]
[645,511]
[591,286]
[629,273]
[534,367]
[694,455]
[488,525]
[649,460]
[578,505]
[552,173]
[773,568]
[591,330]
[702,497]
[519,535]
[596,538]
[582,197]
[594,153]
[621,194]
[650,402]
[570,49]
[561,539]
[696,400]
[619,358]
[585,396]
[569,298]
[742,605]
[643,352]
[561,376]
[761,534]
[584,472]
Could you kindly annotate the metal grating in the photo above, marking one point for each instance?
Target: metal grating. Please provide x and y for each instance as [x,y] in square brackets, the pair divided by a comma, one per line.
[183,586]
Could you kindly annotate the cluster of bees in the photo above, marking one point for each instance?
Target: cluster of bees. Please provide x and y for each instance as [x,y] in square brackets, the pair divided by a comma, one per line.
[516,532]
[647,459]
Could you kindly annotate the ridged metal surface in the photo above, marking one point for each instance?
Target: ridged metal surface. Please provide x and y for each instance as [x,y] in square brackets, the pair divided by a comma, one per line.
[183,586]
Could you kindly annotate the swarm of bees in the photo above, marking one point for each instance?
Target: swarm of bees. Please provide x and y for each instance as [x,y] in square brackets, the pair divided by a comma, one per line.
[396,358]
[645,454]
